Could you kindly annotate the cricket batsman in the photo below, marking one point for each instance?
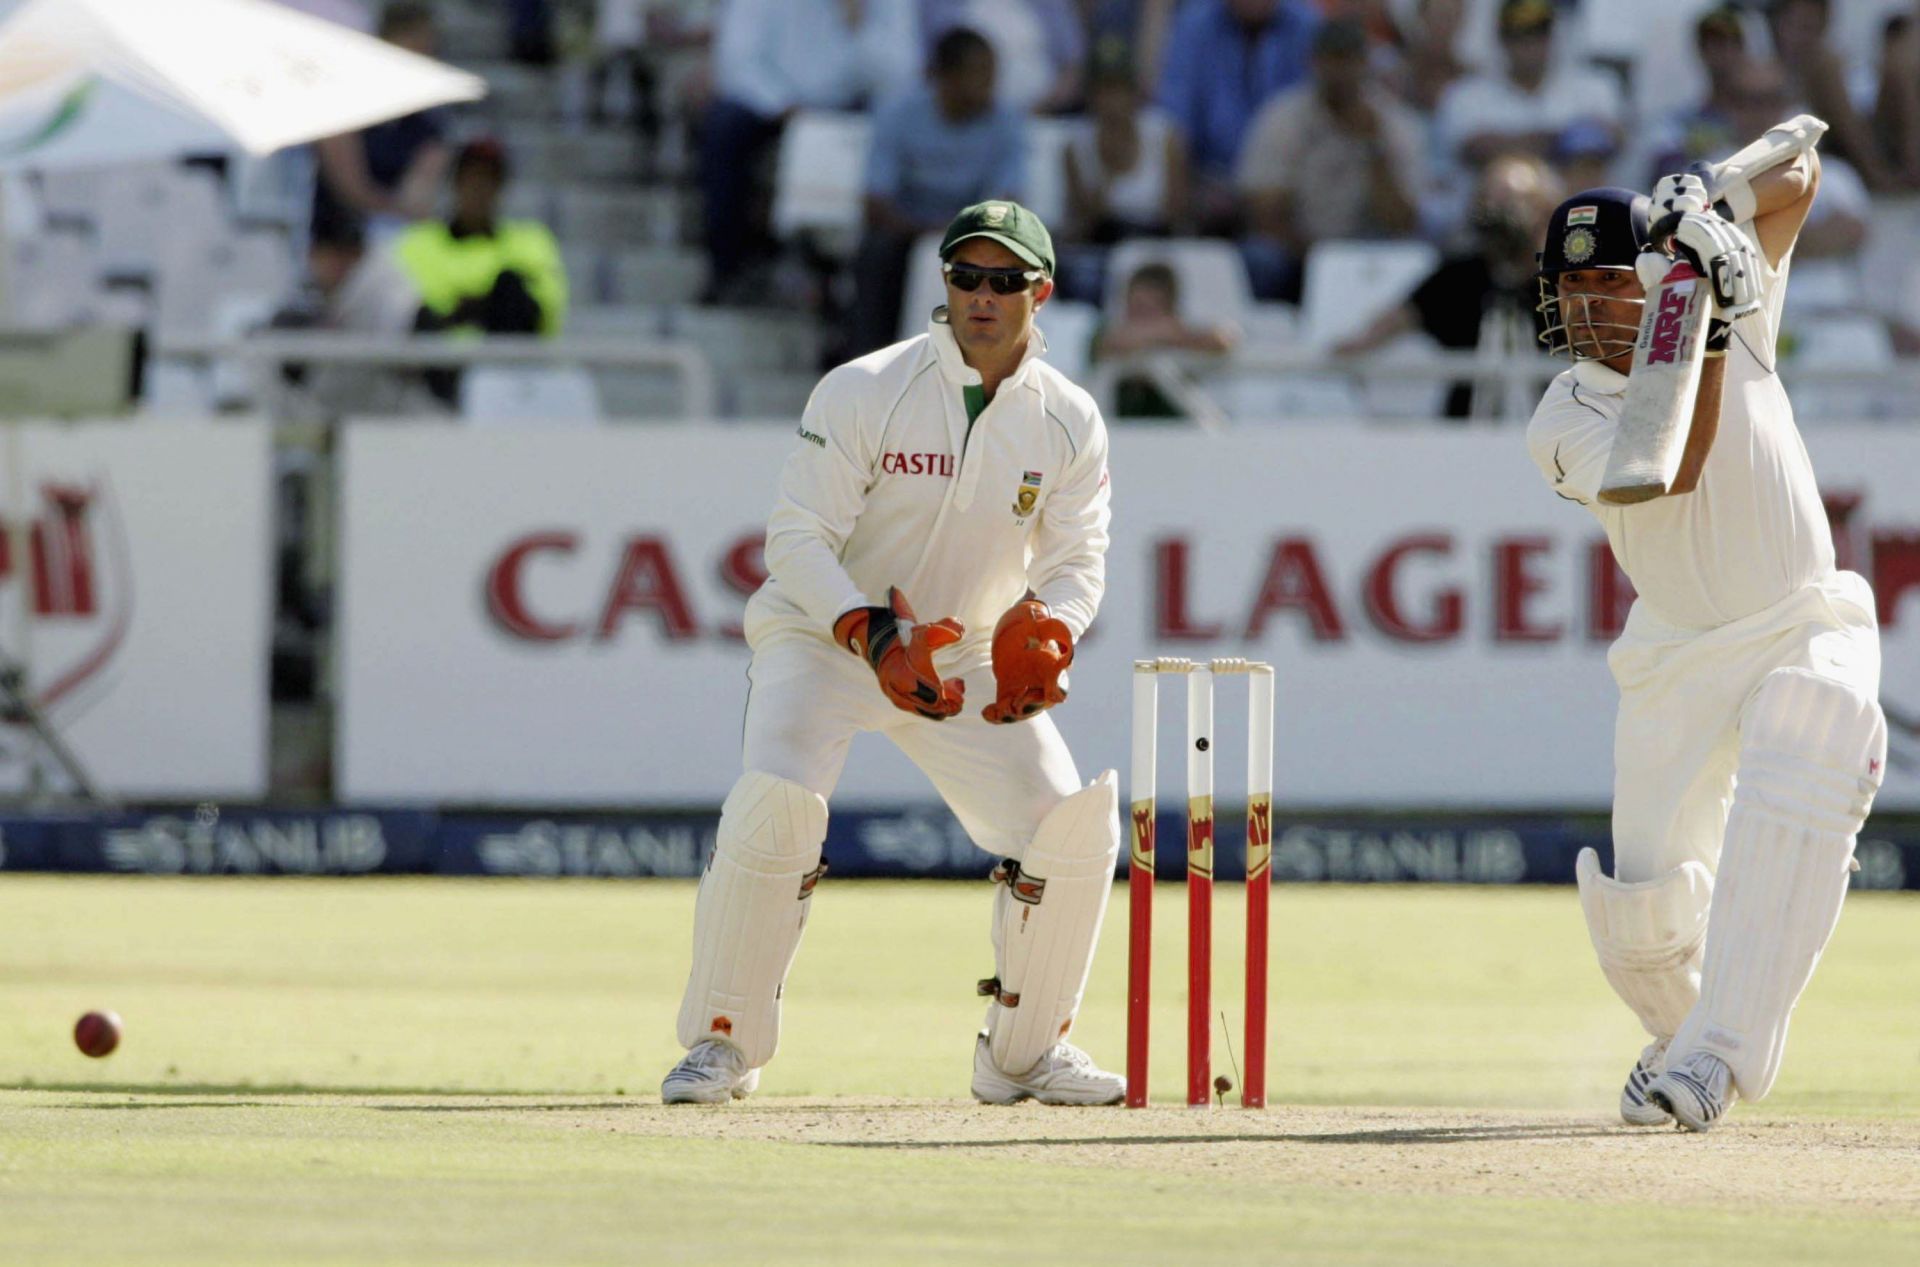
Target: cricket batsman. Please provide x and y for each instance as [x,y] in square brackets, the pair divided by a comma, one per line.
[956,474]
[1749,742]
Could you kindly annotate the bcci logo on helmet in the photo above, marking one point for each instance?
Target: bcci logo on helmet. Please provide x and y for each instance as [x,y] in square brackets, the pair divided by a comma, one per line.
[1579,245]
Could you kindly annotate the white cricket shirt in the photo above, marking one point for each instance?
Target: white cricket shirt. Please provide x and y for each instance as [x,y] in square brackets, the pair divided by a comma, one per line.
[888,484]
[1752,533]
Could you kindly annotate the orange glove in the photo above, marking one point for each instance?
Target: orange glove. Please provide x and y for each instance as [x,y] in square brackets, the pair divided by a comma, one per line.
[901,653]
[1031,649]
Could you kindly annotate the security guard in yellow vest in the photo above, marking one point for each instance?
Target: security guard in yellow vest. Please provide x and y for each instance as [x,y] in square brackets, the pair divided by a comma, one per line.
[475,271]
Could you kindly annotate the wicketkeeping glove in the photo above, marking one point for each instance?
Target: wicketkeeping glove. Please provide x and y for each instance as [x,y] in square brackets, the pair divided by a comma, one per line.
[900,649]
[1032,649]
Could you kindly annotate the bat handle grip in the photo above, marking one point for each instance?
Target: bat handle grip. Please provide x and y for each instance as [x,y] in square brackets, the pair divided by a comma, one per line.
[1662,230]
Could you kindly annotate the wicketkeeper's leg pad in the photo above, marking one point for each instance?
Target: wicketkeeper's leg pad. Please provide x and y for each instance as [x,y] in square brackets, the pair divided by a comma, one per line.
[752,908]
[1812,750]
[1649,938]
[1046,922]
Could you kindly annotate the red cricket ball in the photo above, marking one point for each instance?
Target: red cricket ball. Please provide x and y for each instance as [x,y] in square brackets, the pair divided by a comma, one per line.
[97,1033]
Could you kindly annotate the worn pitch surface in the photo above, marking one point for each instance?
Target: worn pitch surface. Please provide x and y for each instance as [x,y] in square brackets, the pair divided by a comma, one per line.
[436,1072]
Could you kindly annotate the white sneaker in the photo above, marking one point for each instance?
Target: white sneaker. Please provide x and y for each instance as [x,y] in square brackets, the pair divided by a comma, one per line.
[1697,1091]
[1635,1108]
[1065,1075]
[714,1072]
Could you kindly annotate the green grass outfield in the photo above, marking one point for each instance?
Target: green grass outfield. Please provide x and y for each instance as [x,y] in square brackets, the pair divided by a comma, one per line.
[439,1071]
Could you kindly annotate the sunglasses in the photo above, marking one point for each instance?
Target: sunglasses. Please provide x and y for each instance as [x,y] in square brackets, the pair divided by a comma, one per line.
[1005,281]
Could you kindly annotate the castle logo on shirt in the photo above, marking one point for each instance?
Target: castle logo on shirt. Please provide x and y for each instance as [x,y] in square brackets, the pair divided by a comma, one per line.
[940,464]
[1028,495]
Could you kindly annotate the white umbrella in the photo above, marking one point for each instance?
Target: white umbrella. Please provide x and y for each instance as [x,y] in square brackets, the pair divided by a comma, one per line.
[87,82]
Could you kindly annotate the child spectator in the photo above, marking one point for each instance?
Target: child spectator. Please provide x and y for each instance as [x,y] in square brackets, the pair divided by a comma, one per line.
[1150,321]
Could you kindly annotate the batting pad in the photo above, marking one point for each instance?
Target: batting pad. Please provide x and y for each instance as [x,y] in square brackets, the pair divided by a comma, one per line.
[1649,937]
[1046,922]
[751,911]
[1811,754]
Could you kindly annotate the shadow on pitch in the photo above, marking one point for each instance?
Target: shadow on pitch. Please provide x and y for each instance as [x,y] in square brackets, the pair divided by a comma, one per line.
[1404,1135]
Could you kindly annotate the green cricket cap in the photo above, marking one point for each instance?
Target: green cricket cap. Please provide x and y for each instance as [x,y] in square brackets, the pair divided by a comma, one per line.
[1009,224]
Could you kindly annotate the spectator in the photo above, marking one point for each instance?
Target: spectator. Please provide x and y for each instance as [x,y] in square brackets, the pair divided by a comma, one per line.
[1583,154]
[1143,25]
[350,289]
[391,173]
[1127,171]
[1526,108]
[1127,30]
[1039,47]
[530,31]
[934,151]
[1224,59]
[1429,65]
[1826,255]
[1705,130]
[1149,322]
[1817,78]
[1485,298]
[1337,157]
[477,271]
[647,59]
[772,58]
[1897,107]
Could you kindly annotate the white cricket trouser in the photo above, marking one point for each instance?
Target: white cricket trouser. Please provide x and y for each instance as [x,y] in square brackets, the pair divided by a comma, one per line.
[808,698]
[1676,743]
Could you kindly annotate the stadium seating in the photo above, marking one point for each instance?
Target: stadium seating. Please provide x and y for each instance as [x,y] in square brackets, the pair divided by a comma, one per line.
[1069,328]
[818,179]
[1349,282]
[1212,277]
[924,290]
[1047,142]
[52,277]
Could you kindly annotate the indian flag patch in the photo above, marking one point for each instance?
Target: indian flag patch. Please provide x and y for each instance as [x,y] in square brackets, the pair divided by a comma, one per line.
[1582,215]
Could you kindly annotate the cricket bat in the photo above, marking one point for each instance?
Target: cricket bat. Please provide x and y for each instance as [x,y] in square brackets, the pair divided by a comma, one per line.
[1657,412]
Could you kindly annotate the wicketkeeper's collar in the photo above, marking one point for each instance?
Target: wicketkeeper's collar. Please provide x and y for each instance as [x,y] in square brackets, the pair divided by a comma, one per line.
[953,364]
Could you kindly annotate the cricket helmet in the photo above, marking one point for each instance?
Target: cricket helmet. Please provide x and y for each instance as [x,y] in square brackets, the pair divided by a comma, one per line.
[1604,228]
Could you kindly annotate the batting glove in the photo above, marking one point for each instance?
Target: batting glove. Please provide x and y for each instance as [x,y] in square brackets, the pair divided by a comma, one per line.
[1681,192]
[1723,255]
[1652,267]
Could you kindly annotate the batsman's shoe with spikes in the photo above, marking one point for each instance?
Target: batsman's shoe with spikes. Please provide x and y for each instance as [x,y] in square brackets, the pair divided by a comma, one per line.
[1698,1091]
[1635,1108]
[1065,1075]
[714,1072]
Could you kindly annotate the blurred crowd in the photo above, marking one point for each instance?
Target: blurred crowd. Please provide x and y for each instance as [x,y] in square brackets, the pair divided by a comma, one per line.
[1276,134]
[1277,125]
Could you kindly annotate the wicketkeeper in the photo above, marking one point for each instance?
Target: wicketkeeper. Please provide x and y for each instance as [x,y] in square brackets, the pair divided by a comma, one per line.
[1749,741]
[958,468]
